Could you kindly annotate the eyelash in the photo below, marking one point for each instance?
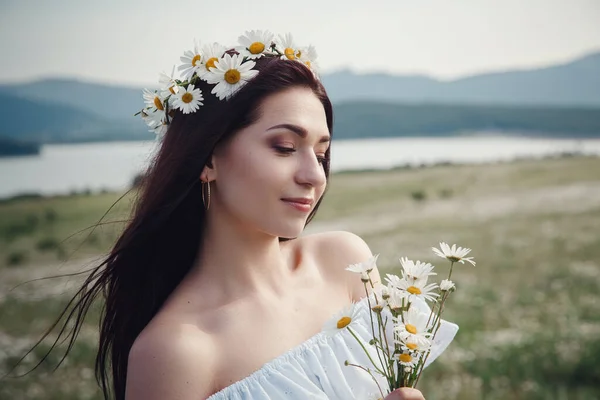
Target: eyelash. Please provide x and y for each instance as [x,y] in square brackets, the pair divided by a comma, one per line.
[289,150]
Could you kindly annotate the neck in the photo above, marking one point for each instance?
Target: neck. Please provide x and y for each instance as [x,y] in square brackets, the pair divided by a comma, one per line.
[236,261]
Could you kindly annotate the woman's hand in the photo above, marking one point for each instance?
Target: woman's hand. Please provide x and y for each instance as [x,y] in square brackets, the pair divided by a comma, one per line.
[405,394]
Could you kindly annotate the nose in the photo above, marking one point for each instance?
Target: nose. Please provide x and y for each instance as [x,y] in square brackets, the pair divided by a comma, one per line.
[310,171]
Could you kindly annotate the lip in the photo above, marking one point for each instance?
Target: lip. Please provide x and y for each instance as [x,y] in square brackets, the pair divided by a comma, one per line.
[300,203]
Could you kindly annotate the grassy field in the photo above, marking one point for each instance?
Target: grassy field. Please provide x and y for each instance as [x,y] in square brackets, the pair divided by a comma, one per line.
[529,313]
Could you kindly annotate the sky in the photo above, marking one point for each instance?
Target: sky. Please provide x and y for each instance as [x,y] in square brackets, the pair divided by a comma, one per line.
[128,42]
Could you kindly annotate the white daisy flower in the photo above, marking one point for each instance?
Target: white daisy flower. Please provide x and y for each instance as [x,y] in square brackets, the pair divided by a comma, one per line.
[408,360]
[156,122]
[392,280]
[365,266]
[154,102]
[211,52]
[416,270]
[417,288]
[341,320]
[254,44]
[192,61]
[397,298]
[287,46]
[446,285]
[188,100]
[412,326]
[308,56]
[230,74]
[160,130]
[168,86]
[454,254]
[414,343]
[377,301]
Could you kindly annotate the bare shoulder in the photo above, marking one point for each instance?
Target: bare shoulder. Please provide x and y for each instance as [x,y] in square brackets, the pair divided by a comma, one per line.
[335,251]
[170,361]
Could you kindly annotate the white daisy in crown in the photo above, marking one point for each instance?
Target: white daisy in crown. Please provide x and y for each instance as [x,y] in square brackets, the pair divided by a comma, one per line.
[168,85]
[192,61]
[254,44]
[188,100]
[230,74]
[211,52]
[308,56]
[154,102]
[286,45]
[156,122]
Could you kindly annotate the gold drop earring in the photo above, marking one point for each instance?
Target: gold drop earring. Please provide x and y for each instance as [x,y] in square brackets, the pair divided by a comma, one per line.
[206,195]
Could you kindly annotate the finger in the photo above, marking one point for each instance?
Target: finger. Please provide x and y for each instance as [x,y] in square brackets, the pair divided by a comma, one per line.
[405,394]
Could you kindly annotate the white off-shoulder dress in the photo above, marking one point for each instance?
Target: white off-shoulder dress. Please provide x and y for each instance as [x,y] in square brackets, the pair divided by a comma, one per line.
[315,369]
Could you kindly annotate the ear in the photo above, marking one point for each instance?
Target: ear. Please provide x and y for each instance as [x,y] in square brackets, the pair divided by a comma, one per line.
[209,172]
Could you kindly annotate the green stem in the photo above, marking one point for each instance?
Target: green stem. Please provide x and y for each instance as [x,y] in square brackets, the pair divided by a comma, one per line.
[369,372]
[366,352]
[371,318]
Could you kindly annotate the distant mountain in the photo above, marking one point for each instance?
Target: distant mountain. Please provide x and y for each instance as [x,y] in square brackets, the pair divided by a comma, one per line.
[106,101]
[558,100]
[43,122]
[12,148]
[369,119]
[573,84]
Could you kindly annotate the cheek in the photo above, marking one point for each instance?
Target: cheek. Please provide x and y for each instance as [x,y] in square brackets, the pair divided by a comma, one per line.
[248,177]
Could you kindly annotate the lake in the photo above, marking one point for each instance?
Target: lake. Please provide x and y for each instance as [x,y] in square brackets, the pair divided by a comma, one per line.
[60,169]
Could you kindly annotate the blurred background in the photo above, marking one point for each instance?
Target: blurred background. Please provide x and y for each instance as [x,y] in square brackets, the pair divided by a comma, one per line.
[474,122]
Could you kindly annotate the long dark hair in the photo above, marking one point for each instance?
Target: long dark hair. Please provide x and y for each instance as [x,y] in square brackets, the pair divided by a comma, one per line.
[161,240]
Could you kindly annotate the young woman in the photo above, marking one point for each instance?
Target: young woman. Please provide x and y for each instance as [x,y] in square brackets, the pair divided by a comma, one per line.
[211,291]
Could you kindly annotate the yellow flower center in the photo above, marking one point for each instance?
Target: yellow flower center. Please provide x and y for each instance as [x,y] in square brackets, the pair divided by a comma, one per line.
[211,62]
[308,64]
[256,48]
[196,59]
[413,290]
[343,322]
[453,258]
[289,53]
[172,90]
[405,358]
[232,76]
[187,97]
[158,104]
[411,346]
[299,54]
[411,328]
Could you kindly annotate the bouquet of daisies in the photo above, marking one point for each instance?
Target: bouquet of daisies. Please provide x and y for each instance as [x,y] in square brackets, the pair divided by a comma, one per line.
[402,333]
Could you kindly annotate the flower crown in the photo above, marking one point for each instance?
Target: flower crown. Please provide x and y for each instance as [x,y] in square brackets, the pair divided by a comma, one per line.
[213,64]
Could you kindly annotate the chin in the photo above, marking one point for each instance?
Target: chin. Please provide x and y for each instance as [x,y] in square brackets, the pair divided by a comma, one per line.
[290,231]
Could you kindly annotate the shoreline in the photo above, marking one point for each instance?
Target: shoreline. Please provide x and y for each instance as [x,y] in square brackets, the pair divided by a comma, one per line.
[31,195]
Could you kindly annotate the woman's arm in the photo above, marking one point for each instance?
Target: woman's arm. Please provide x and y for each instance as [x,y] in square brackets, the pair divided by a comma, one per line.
[169,362]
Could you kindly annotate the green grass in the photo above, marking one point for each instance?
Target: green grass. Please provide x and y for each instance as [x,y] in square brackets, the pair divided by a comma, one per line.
[53,229]
[528,312]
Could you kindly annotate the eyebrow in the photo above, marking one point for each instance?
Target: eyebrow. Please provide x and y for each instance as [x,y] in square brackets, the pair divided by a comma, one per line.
[300,131]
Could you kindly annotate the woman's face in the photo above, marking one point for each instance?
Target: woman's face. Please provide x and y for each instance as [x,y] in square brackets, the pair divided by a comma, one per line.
[270,175]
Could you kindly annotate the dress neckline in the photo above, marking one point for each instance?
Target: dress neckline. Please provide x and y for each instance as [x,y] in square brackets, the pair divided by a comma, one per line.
[273,365]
